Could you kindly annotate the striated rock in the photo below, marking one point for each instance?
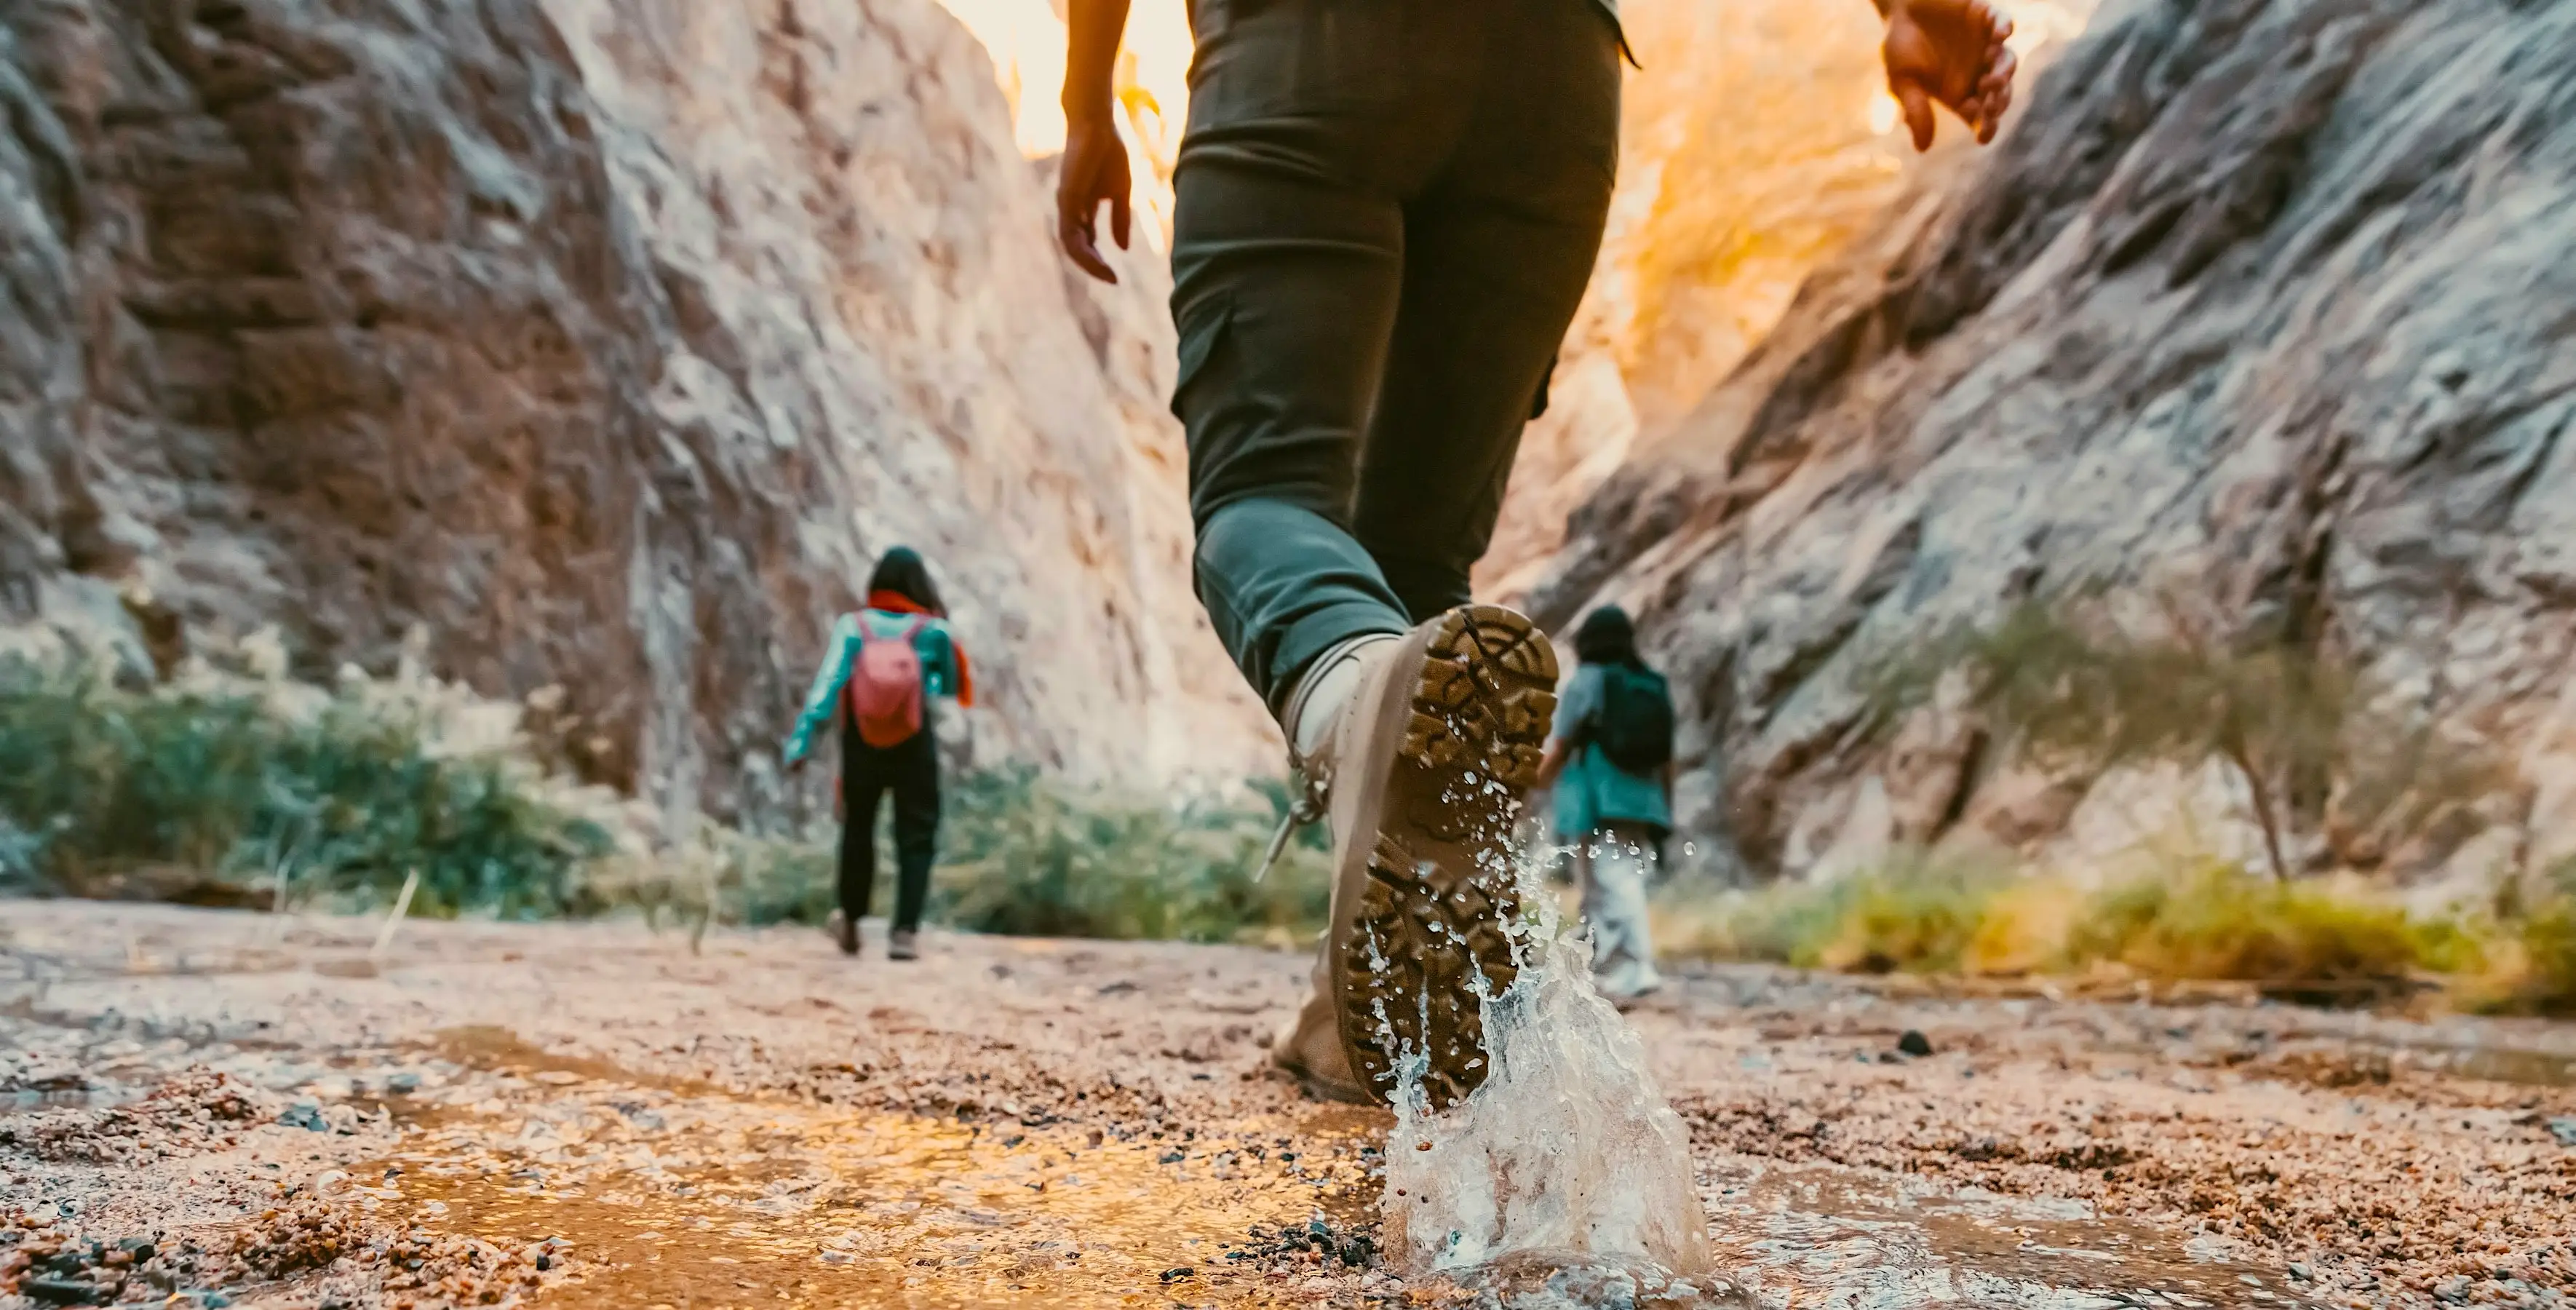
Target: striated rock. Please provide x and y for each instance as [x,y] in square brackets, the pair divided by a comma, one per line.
[607,342]
[2262,300]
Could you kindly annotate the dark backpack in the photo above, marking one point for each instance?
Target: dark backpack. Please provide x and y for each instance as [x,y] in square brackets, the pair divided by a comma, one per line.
[1634,727]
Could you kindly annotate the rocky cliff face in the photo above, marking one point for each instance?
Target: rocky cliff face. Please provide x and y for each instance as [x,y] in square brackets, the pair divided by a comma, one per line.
[607,342]
[2263,299]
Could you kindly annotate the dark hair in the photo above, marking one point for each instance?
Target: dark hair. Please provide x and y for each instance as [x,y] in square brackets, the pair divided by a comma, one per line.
[901,571]
[1608,636]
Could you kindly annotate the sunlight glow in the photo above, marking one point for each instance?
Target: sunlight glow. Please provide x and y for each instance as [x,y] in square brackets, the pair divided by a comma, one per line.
[1026,41]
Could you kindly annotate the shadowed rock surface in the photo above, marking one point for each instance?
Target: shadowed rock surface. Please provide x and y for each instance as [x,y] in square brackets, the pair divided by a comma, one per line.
[2264,301]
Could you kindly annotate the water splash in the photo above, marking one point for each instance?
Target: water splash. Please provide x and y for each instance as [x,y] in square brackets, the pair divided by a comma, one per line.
[1565,1179]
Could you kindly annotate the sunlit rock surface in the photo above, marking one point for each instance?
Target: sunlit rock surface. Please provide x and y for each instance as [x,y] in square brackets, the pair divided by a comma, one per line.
[1757,143]
[2264,300]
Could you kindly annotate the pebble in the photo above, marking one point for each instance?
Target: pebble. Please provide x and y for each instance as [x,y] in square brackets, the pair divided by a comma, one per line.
[1914,1043]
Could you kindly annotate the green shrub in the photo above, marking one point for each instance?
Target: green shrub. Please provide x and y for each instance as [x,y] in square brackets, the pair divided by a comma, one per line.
[2215,922]
[2529,964]
[1914,915]
[342,803]
[2220,922]
[1022,854]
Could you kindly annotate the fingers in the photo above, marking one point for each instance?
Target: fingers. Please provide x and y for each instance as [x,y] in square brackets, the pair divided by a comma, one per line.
[1118,217]
[1076,231]
[1918,110]
[1995,94]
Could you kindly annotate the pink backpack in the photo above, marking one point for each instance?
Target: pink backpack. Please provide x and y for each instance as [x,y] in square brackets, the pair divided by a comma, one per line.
[883,695]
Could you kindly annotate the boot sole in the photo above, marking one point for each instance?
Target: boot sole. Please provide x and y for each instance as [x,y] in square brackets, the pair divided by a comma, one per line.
[1429,937]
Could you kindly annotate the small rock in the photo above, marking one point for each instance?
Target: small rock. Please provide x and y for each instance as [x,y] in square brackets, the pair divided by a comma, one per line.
[306,1115]
[1179,1272]
[403,1084]
[2564,1129]
[1174,1157]
[2301,1272]
[1914,1043]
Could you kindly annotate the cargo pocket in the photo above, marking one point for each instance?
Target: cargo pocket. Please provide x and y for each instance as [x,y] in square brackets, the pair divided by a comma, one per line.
[1204,327]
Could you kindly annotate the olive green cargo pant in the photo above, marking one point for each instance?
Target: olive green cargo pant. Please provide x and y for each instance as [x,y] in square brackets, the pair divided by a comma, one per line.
[1386,214]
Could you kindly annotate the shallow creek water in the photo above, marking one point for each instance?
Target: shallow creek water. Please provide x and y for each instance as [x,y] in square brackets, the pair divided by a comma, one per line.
[683,1198]
[1567,1182]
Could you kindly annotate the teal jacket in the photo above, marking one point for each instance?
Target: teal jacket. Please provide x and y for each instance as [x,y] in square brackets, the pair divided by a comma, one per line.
[1593,792]
[943,669]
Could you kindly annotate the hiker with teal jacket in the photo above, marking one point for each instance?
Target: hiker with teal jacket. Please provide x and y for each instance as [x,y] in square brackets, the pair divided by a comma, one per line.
[884,665]
[1611,763]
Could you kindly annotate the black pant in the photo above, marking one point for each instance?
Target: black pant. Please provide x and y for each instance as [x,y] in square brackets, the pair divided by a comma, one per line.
[911,772]
[1387,211]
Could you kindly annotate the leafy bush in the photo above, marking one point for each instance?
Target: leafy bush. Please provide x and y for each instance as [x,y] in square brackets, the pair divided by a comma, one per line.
[2303,731]
[1022,854]
[344,801]
[2220,922]
[2209,922]
[2527,963]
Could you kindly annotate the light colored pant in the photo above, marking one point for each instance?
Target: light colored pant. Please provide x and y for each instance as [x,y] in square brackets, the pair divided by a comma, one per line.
[1612,867]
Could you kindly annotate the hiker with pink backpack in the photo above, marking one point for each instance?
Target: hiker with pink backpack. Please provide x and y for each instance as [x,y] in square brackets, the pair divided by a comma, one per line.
[884,665]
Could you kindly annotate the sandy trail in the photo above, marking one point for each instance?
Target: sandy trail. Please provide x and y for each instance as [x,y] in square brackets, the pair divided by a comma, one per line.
[589,1115]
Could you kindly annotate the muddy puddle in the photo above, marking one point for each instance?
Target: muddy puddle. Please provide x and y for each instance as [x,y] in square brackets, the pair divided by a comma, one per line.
[676,1197]
[682,1198]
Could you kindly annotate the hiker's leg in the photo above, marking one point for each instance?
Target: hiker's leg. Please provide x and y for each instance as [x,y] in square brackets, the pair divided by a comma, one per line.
[1588,891]
[1497,255]
[916,828]
[1625,951]
[1310,122]
[862,783]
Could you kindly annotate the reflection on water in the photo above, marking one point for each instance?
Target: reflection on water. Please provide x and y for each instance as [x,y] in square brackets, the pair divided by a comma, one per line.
[1860,1240]
[669,1199]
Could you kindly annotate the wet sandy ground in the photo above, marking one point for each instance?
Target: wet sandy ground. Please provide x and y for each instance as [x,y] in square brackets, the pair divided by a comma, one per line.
[206,1108]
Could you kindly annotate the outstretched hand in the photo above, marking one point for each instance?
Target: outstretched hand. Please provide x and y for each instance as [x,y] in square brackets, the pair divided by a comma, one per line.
[1094,173]
[1949,52]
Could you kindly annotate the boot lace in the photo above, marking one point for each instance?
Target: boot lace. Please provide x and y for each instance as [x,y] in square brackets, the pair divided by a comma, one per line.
[1306,809]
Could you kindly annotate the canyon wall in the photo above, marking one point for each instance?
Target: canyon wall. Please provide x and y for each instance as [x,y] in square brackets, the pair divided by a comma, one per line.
[2263,303]
[605,343]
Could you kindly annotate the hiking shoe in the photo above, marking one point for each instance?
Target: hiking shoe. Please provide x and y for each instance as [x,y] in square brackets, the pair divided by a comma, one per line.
[1421,775]
[901,946]
[844,930]
[1309,1048]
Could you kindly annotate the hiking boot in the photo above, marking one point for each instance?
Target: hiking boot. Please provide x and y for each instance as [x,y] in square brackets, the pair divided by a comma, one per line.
[844,930]
[1309,1048]
[1420,771]
[901,946]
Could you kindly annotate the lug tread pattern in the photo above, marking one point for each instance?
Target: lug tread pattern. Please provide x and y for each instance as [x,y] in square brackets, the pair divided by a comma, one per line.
[1434,913]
